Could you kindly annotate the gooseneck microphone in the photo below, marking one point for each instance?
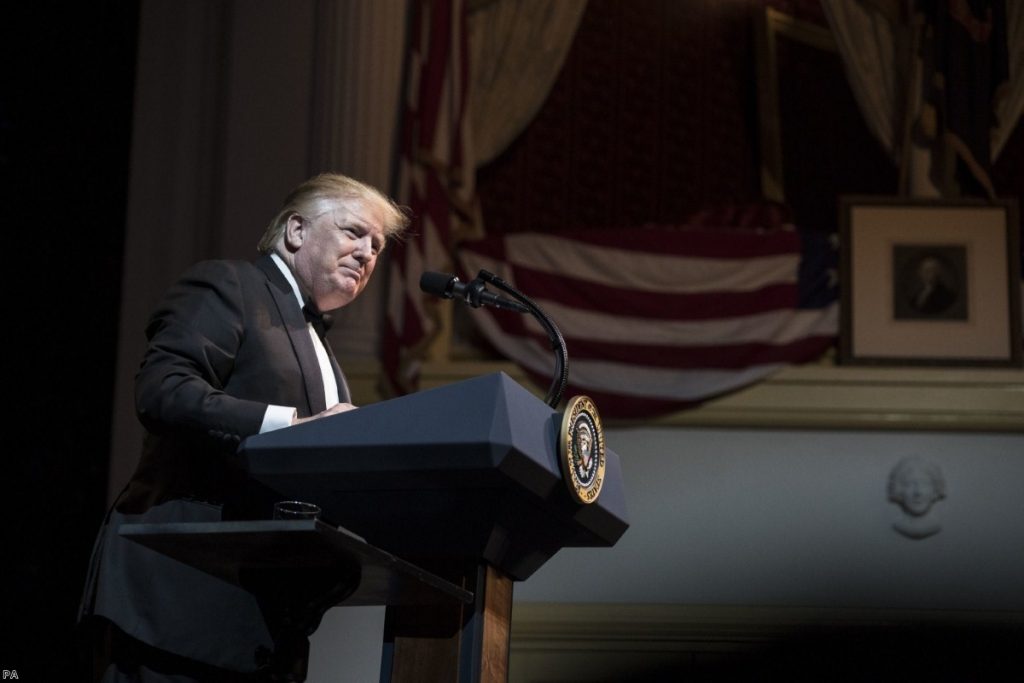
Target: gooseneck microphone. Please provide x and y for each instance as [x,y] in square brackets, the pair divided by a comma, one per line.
[474,292]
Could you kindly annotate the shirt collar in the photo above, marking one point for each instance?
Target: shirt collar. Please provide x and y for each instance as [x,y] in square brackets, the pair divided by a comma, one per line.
[286,271]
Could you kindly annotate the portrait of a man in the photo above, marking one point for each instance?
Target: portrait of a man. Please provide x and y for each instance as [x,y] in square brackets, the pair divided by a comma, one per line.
[929,282]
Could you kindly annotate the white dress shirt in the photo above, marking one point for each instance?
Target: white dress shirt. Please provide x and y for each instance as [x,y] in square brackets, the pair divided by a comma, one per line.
[277,417]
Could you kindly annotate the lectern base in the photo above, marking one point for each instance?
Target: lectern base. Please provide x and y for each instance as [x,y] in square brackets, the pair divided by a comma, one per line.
[452,643]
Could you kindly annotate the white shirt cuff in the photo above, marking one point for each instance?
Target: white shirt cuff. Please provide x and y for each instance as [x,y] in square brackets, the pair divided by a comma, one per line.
[277,417]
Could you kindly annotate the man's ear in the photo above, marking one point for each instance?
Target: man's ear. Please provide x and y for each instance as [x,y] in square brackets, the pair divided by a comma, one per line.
[295,232]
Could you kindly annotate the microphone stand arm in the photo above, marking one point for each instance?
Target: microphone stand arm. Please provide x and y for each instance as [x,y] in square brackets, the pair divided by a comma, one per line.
[561,378]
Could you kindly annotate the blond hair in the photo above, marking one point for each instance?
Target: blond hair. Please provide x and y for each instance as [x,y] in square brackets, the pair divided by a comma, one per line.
[314,196]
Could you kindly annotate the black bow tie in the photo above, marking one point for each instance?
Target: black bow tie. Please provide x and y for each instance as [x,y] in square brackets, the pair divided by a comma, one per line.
[321,322]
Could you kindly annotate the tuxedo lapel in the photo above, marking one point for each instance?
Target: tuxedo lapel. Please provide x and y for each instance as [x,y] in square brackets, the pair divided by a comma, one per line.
[298,333]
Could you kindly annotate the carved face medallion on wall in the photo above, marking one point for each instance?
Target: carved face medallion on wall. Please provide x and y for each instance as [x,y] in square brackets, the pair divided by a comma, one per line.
[916,486]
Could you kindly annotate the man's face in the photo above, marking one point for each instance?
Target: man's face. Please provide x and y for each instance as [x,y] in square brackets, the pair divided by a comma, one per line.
[930,271]
[917,492]
[337,251]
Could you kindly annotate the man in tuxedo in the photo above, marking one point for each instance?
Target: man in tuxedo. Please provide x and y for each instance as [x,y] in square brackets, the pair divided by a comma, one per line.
[933,293]
[234,349]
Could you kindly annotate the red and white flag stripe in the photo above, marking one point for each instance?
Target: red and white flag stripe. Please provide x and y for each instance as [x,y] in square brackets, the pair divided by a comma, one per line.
[436,178]
[654,318]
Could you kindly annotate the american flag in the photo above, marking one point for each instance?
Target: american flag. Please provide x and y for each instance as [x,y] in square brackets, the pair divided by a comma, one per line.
[661,318]
[655,318]
[436,181]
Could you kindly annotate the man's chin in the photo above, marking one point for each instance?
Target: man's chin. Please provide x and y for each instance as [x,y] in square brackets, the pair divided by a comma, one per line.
[343,298]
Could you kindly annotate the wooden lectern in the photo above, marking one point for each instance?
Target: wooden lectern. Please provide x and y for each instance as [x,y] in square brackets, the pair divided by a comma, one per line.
[444,499]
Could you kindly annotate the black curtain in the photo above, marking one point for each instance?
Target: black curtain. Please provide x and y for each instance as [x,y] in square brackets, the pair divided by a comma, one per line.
[65,126]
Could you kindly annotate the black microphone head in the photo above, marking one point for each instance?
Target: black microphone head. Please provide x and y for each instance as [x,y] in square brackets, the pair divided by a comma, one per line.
[438,284]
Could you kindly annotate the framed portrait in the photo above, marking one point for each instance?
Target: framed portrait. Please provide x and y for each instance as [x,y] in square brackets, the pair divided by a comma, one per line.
[929,282]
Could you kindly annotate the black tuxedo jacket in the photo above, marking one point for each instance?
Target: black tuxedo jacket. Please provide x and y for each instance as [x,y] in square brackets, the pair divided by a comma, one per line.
[228,339]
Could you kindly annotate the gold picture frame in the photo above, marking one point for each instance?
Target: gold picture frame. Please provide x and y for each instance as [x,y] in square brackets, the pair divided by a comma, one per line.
[929,282]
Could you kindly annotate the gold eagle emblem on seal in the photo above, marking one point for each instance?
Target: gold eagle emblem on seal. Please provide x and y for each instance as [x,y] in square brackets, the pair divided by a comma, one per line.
[581,449]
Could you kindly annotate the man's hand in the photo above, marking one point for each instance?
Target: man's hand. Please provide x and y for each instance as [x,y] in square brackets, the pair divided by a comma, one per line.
[333,410]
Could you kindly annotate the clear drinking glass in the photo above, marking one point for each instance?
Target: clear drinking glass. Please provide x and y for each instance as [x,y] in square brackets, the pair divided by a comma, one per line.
[295,509]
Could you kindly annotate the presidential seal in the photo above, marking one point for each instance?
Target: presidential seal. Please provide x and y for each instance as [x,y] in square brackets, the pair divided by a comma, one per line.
[581,449]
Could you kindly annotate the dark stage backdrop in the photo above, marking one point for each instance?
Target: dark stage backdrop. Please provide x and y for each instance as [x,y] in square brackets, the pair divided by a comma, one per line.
[651,118]
[65,122]
[655,117]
